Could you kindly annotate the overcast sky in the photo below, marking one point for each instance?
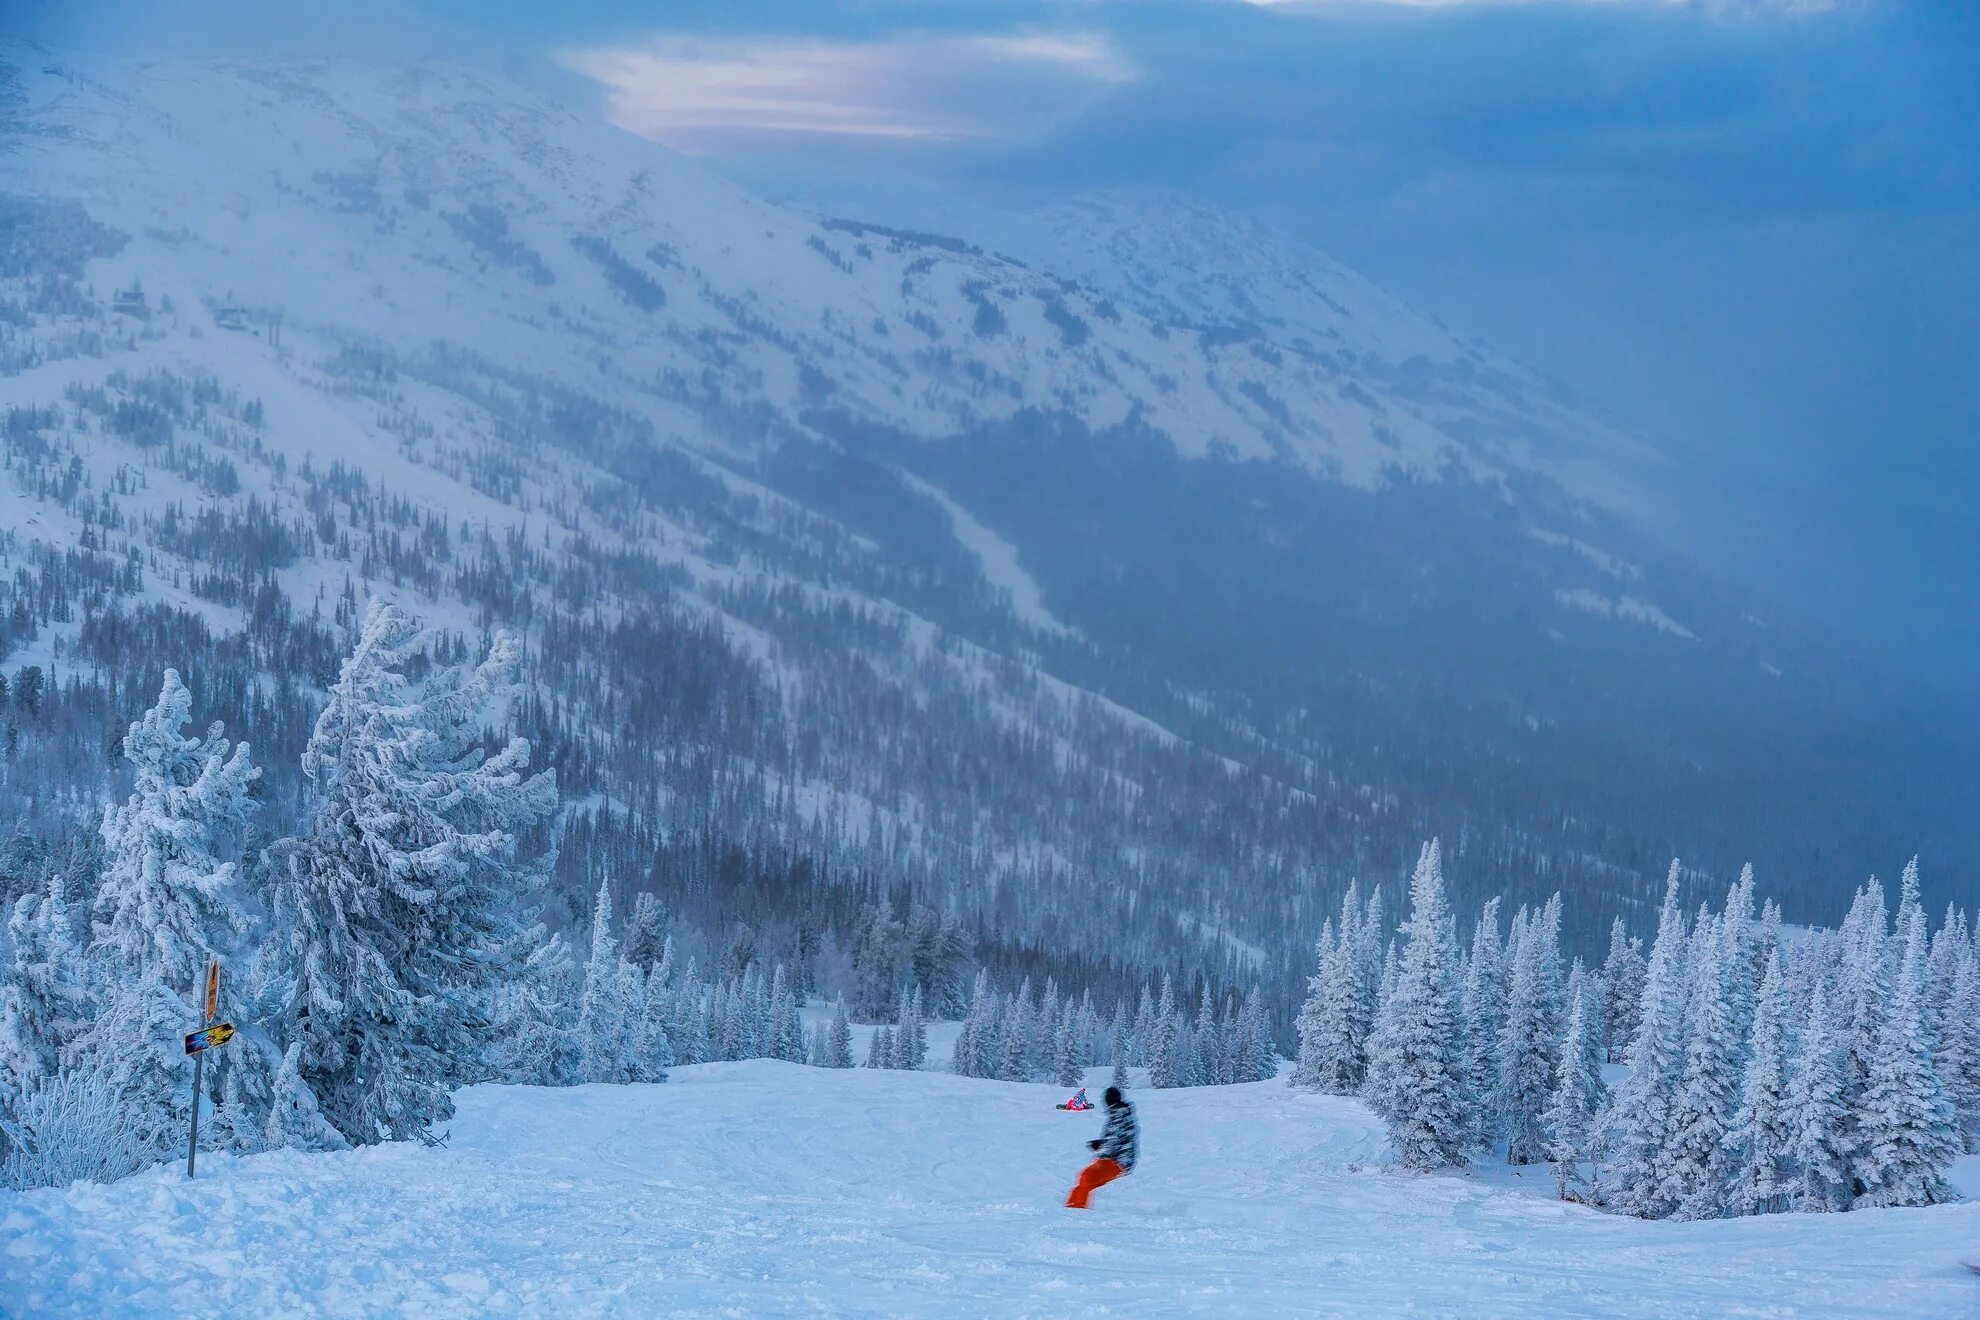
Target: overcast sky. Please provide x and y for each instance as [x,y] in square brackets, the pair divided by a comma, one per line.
[1753,225]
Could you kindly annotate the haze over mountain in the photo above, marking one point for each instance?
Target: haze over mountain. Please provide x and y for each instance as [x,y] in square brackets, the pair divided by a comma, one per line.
[1128,593]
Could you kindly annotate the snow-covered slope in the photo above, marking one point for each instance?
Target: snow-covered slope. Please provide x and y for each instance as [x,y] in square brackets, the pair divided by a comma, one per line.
[769,1189]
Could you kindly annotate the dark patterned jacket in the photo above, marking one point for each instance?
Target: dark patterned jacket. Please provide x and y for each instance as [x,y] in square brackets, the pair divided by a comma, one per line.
[1120,1139]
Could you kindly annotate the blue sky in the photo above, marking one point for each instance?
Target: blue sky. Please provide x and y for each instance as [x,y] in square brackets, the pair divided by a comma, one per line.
[1752,224]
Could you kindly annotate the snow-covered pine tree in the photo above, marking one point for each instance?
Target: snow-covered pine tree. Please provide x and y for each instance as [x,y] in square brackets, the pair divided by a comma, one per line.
[650,1053]
[646,932]
[1622,989]
[1375,963]
[967,1057]
[1417,1081]
[790,1028]
[1484,1009]
[1959,1041]
[44,1000]
[1530,1036]
[1640,1124]
[230,1126]
[1068,1068]
[404,901]
[534,1042]
[1697,1166]
[1908,1129]
[1251,1051]
[632,1010]
[1865,990]
[1762,1136]
[601,1021]
[689,1030]
[879,964]
[1313,1067]
[1162,1071]
[1569,1120]
[880,1047]
[1818,1110]
[838,1040]
[1741,933]
[1014,1041]
[166,902]
[914,1036]
[294,1121]
[1141,1037]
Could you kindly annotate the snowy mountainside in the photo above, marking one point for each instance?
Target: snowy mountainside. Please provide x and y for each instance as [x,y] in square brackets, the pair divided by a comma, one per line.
[751,1188]
[1237,281]
[1127,635]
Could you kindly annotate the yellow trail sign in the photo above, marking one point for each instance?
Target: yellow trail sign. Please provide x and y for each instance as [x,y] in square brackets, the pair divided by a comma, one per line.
[208,1037]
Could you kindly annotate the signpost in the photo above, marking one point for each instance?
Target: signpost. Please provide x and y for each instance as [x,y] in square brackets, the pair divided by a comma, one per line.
[210,1035]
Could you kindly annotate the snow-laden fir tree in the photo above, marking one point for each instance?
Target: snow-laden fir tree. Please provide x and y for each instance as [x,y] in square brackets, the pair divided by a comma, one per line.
[1640,1125]
[1068,1068]
[1251,1051]
[1959,1040]
[166,904]
[1865,989]
[535,1044]
[912,1043]
[880,1047]
[1199,1061]
[601,1019]
[879,960]
[1818,1111]
[1417,1080]
[293,1118]
[1333,1051]
[1622,990]
[646,933]
[44,1000]
[404,900]
[1014,1042]
[1162,1048]
[838,1038]
[229,1125]
[632,1008]
[650,1052]
[1484,1008]
[1908,1130]
[1569,1120]
[970,1056]
[1696,1160]
[1530,1035]
[1762,1136]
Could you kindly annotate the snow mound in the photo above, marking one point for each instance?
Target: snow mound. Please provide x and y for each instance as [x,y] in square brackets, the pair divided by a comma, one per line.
[767,1189]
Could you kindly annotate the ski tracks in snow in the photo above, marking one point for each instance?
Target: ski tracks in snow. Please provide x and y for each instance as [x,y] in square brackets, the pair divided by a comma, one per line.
[766,1189]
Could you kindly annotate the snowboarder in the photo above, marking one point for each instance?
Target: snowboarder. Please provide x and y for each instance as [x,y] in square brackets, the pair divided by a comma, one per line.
[1079,1102]
[1116,1150]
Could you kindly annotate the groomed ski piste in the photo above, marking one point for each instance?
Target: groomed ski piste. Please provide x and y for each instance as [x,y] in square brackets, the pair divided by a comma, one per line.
[771,1189]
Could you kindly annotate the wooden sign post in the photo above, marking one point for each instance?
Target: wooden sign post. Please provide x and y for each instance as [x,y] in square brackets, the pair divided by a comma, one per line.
[196,1045]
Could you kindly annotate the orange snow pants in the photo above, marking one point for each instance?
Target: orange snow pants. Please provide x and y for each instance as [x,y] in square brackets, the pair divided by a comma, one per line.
[1094,1176]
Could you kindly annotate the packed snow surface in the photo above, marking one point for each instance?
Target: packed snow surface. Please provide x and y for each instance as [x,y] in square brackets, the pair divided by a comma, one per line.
[765,1188]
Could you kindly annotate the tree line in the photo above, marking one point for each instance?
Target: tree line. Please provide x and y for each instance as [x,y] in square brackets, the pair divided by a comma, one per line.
[1766,1068]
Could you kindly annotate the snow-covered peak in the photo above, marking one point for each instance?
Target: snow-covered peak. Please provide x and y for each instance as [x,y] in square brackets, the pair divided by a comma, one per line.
[423,203]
